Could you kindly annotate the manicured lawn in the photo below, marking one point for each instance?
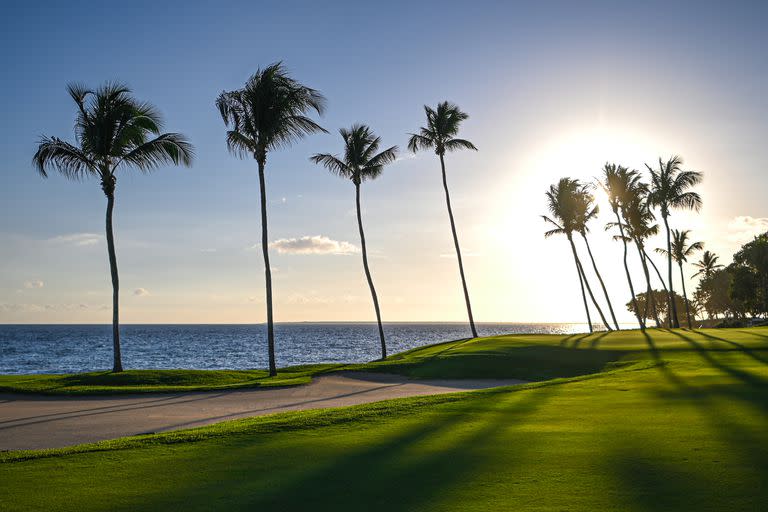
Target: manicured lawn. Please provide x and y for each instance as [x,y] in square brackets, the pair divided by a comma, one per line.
[679,422]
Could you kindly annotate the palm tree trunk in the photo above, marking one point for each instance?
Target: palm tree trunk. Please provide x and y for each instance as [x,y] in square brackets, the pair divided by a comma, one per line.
[626,270]
[602,284]
[649,290]
[583,293]
[673,320]
[586,284]
[267,270]
[368,273]
[685,297]
[117,364]
[663,284]
[458,250]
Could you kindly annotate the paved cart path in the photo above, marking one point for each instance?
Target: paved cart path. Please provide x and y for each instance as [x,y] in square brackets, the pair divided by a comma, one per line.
[34,421]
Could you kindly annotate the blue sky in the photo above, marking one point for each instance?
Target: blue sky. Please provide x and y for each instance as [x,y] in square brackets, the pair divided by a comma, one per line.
[552,89]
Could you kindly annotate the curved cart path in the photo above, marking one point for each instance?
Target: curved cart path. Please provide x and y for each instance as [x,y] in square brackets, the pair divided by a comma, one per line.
[33,422]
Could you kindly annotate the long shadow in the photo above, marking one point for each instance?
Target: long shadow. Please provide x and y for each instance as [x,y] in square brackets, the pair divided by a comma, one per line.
[748,351]
[404,472]
[144,407]
[595,342]
[575,337]
[745,377]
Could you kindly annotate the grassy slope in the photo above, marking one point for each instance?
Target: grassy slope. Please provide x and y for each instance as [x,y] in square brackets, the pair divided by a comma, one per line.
[684,429]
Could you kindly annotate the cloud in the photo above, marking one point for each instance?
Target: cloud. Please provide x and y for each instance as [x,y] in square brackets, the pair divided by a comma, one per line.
[35,283]
[744,228]
[317,244]
[141,292]
[77,239]
[299,298]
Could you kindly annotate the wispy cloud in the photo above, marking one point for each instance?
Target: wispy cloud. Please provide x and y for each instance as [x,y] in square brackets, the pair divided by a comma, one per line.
[77,239]
[141,292]
[317,244]
[35,283]
[744,228]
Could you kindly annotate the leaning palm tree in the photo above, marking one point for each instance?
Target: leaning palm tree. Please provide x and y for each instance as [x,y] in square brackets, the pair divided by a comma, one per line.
[362,161]
[268,113]
[587,210]
[707,265]
[669,189]
[565,204]
[440,135]
[620,185]
[113,130]
[640,224]
[681,251]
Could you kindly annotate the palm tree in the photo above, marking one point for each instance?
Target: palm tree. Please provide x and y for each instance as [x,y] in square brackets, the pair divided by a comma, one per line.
[670,190]
[707,265]
[268,113]
[361,162]
[564,202]
[113,130]
[640,226]
[440,135]
[620,185]
[681,251]
[586,210]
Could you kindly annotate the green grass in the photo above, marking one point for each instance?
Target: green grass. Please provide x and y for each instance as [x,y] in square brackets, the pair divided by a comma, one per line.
[157,381]
[678,422]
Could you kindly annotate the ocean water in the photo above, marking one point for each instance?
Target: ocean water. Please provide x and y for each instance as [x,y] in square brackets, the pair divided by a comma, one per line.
[78,348]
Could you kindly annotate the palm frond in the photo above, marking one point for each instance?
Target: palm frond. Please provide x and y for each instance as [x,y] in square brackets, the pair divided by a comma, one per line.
[69,160]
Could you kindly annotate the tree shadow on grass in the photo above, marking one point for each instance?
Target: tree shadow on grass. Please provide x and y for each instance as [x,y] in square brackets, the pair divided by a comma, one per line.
[748,351]
[426,457]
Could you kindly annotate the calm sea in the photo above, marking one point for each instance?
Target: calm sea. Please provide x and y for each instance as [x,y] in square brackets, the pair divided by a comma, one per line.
[77,348]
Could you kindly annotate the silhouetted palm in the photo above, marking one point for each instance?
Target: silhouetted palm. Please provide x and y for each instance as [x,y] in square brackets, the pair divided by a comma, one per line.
[565,204]
[681,251]
[269,113]
[640,224]
[669,189]
[587,210]
[361,162]
[620,184]
[707,265]
[113,130]
[440,136]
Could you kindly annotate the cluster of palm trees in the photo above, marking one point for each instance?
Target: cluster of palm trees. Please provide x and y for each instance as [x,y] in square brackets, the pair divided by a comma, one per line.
[271,111]
[635,204]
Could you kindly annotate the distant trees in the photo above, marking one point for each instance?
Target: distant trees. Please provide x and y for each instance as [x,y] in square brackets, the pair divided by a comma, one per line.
[268,113]
[113,130]
[750,276]
[439,135]
[644,299]
[362,161]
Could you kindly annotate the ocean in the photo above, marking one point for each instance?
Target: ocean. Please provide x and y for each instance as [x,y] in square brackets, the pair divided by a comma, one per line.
[78,348]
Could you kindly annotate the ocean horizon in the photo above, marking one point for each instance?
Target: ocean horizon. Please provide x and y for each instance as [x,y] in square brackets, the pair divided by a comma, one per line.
[69,348]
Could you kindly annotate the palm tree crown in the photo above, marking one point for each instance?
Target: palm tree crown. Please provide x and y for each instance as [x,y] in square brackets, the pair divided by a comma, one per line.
[670,184]
[565,207]
[269,112]
[681,250]
[707,265]
[361,161]
[440,133]
[112,130]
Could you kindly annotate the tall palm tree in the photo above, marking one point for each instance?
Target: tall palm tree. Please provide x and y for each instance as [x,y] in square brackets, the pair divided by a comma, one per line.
[565,202]
[707,265]
[669,190]
[362,161]
[587,210]
[440,136]
[640,224]
[113,130]
[268,113]
[681,251]
[620,185]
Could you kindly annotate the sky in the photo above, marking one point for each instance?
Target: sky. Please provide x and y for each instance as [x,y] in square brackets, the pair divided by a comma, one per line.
[552,88]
